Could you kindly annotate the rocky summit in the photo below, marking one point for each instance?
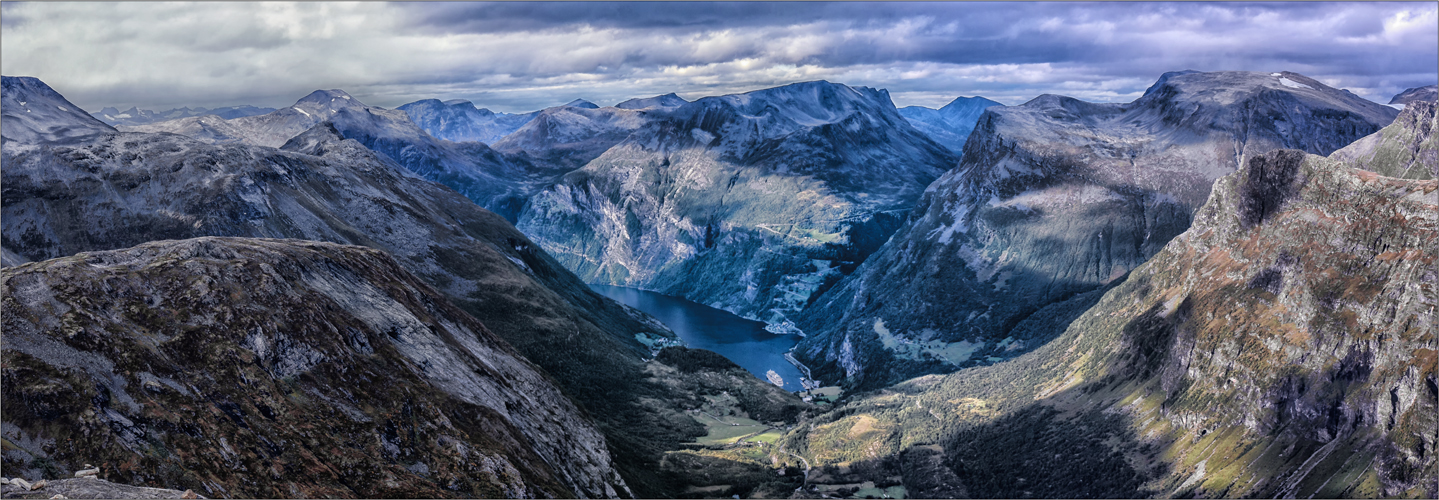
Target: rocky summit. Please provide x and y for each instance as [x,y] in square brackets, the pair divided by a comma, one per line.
[1052,200]
[278,368]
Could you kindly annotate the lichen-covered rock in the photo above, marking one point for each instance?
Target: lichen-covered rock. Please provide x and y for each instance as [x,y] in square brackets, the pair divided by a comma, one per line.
[1053,199]
[278,368]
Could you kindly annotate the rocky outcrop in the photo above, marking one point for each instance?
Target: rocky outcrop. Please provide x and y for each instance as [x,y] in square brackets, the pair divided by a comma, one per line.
[748,202]
[279,368]
[1054,199]
[1407,148]
[89,487]
[1280,351]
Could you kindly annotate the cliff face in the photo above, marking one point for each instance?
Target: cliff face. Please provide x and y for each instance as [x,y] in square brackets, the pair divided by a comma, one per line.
[747,202]
[1054,199]
[278,368]
[1283,346]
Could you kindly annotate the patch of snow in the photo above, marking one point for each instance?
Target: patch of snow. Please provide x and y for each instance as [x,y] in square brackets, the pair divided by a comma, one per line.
[703,137]
[121,115]
[1293,84]
[1276,74]
[302,111]
[61,108]
[1399,107]
[946,234]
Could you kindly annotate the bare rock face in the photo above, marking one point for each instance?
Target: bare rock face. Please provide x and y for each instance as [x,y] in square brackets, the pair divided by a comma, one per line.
[1407,148]
[1054,199]
[749,202]
[278,368]
[1283,353]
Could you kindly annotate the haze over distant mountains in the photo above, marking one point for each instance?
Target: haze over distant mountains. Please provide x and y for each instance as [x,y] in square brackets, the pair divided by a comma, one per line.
[134,116]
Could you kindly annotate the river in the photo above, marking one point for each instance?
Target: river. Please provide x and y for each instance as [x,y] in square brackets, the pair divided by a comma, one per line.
[703,327]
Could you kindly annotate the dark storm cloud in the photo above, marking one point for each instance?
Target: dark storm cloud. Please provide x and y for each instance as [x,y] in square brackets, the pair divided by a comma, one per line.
[526,55]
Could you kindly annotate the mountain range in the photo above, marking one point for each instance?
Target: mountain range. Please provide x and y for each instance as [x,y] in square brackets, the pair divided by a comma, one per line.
[136,116]
[1222,288]
[1053,199]
[1282,346]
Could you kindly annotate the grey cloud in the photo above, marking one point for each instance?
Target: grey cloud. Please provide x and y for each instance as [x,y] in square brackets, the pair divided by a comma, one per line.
[526,55]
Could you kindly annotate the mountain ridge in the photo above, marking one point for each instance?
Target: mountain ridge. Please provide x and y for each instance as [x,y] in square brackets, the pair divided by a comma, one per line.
[1054,198]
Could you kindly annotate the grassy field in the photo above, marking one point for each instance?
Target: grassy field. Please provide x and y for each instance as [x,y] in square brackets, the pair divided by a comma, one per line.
[726,430]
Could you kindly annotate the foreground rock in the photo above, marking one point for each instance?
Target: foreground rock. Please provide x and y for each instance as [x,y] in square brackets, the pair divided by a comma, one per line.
[278,368]
[1283,347]
[93,488]
[1055,199]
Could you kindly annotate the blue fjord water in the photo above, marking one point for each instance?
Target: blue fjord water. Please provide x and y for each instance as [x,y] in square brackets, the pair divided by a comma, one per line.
[703,327]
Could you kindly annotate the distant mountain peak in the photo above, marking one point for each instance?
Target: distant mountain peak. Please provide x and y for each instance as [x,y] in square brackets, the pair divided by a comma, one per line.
[458,102]
[581,103]
[1428,93]
[34,112]
[1165,77]
[662,101]
[333,98]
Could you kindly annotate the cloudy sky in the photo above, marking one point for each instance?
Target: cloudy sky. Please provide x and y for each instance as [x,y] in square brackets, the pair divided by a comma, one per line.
[525,56]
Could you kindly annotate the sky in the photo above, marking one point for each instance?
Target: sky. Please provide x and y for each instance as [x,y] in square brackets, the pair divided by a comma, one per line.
[516,57]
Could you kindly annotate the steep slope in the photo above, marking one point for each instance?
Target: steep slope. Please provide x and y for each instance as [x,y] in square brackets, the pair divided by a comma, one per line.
[135,116]
[1052,199]
[1283,347]
[461,121]
[328,367]
[33,112]
[1407,148]
[951,124]
[1416,94]
[746,202]
[472,168]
